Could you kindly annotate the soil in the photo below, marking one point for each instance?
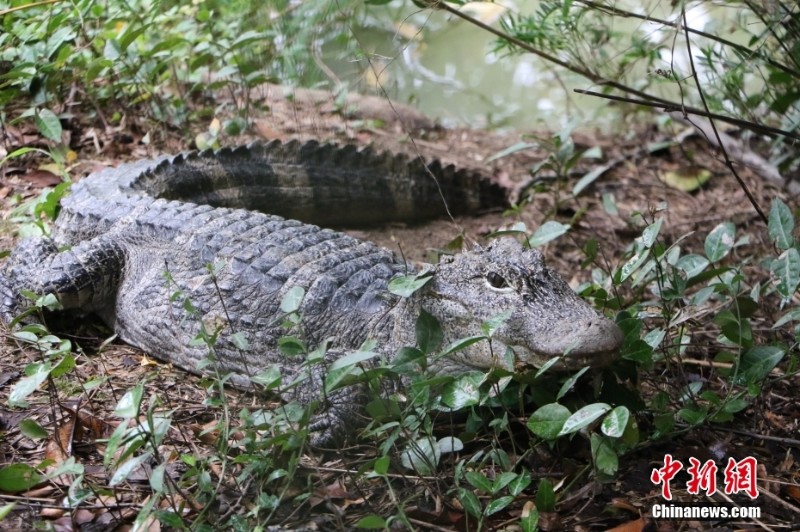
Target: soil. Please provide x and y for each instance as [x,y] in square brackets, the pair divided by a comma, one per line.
[634,195]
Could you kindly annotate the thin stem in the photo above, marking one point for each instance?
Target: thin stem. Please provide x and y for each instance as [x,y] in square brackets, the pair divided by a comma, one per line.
[728,161]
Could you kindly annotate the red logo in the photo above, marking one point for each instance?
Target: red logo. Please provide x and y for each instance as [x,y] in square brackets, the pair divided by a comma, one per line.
[739,476]
[664,475]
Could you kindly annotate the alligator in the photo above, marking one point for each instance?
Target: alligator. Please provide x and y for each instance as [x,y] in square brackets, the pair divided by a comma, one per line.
[221,229]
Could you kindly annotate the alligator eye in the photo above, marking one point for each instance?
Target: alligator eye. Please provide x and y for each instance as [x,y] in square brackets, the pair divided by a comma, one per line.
[496,280]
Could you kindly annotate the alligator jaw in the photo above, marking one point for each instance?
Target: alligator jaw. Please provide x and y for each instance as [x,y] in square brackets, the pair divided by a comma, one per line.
[596,346]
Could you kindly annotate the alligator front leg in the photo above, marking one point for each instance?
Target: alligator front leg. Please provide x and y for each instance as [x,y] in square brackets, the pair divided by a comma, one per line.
[338,414]
[84,277]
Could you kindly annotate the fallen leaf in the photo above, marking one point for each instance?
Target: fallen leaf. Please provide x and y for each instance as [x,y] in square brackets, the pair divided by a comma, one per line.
[52,513]
[147,361]
[98,428]
[207,433]
[59,447]
[630,526]
[687,181]
[81,516]
[793,492]
[622,504]
[266,131]
[42,178]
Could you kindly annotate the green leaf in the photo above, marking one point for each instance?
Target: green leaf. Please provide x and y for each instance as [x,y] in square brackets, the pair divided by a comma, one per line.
[664,423]
[170,519]
[520,482]
[25,336]
[405,285]
[737,331]
[239,339]
[530,522]
[787,268]
[498,504]
[128,406]
[48,124]
[269,378]
[132,32]
[291,346]
[614,423]
[421,456]
[604,457]
[372,522]
[584,417]
[461,344]
[381,465]
[590,177]
[519,146]
[429,332]
[36,375]
[633,264]
[692,265]
[550,230]
[111,50]
[490,326]
[758,361]
[114,443]
[479,481]
[720,241]
[792,315]
[650,233]
[292,300]
[19,477]
[470,502]
[548,421]
[64,366]
[463,391]
[502,480]
[450,444]
[781,224]
[609,204]
[545,496]
[351,359]
[5,510]
[570,382]
[693,415]
[408,361]
[735,405]
[32,429]
[123,471]
[157,478]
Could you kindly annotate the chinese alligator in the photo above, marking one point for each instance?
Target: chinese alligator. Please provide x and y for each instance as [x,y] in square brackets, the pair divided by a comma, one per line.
[129,238]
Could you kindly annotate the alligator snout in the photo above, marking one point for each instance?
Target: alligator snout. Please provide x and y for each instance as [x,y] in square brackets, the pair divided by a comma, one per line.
[601,340]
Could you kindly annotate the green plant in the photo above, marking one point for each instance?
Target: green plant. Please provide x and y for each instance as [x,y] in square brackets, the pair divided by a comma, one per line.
[706,281]
[675,66]
[157,58]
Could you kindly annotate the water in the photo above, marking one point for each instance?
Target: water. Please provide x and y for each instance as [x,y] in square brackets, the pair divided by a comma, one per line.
[450,69]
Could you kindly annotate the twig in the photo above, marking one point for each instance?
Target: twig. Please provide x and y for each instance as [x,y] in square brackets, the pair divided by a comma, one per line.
[764,437]
[588,74]
[745,124]
[757,521]
[728,161]
[738,47]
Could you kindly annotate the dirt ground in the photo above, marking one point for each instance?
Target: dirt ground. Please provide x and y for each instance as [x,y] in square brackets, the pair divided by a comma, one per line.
[768,430]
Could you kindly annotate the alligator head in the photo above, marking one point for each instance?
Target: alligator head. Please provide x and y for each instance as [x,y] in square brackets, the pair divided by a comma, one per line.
[544,318]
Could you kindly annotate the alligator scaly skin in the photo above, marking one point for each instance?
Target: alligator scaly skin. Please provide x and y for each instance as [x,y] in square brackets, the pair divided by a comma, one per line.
[143,238]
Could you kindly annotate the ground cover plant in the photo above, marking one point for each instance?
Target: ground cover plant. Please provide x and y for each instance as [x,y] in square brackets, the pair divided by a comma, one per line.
[703,286]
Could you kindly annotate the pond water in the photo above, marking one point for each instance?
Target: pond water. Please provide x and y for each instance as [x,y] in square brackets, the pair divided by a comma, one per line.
[451,70]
